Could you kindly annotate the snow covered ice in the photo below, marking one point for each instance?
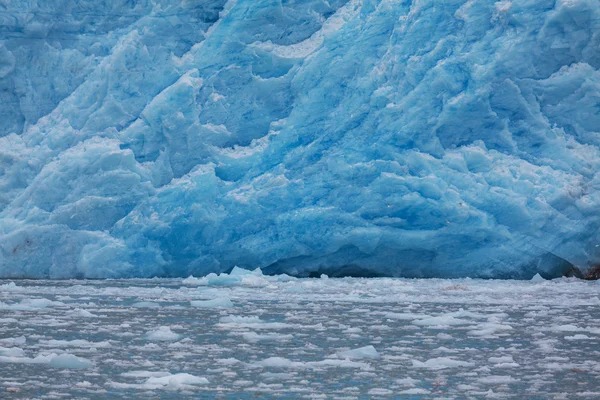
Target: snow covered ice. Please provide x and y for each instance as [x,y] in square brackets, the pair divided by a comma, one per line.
[370,138]
[283,337]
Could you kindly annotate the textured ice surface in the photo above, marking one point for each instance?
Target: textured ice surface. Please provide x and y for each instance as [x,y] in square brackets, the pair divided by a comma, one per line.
[286,338]
[404,138]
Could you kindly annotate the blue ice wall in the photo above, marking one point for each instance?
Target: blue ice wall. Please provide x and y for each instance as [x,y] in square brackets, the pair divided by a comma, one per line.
[405,138]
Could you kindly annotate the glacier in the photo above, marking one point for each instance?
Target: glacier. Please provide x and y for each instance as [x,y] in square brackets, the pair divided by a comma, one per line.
[403,138]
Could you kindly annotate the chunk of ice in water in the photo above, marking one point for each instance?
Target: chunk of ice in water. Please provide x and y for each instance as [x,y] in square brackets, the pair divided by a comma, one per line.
[361,352]
[163,333]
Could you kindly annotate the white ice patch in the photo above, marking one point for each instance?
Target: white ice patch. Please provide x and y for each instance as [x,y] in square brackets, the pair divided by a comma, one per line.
[566,328]
[220,302]
[361,352]
[254,337]
[414,391]
[163,333]
[503,362]
[577,337]
[538,278]
[405,316]
[237,277]
[11,287]
[69,361]
[407,381]
[487,329]
[441,363]
[30,305]
[165,381]
[176,380]
[79,312]
[14,340]
[145,304]
[234,321]
[281,362]
[497,380]
[12,352]
[73,343]
[64,360]
[442,320]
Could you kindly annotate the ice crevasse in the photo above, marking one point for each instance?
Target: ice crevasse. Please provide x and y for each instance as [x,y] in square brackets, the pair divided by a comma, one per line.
[414,138]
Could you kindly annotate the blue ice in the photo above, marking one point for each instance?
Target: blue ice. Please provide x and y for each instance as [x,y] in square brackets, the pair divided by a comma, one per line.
[405,138]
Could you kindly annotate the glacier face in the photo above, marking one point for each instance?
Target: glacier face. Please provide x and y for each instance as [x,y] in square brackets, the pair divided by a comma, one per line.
[414,138]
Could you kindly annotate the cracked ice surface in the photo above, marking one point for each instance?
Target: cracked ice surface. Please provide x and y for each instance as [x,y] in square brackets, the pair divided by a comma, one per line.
[381,137]
[281,337]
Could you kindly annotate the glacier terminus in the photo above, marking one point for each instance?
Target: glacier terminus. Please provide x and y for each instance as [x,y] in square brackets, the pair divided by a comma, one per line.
[399,138]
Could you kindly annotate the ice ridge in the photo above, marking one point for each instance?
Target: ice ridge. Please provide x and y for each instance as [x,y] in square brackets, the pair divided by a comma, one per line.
[377,137]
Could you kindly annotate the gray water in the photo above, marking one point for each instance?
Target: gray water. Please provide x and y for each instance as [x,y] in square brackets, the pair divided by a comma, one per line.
[430,339]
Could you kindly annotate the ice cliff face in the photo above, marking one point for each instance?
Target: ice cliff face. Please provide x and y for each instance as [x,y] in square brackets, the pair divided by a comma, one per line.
[404,138]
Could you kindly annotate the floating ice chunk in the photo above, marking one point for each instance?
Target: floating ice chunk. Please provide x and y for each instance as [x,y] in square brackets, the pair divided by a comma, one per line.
[538,278]
[150,347]
[338,364]
[577,337]
[277,375]
[193,281]
[235,321]
[145,304]
[12,352]
[280,362]
[220,280]
[219,302]
[176,380]
[441,363]
[405,316]
[254,337]
[380,392]
[415,391]
[69,361]
[503,362]
[14,341]
[443,320]
[407,381]
[237,277]
[161,380]
[497,379]
[566,328]
[237,271]
[64,360]
[145,374]
[163,333]
[31,305]
[294,289]
[361,352]
[79,312]
[74,343]
[241,320]
[228,361]
[487,329]
[11,287]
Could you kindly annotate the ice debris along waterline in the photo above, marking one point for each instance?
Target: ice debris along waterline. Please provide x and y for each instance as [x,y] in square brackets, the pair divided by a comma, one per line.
[400,138]
[281,337]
